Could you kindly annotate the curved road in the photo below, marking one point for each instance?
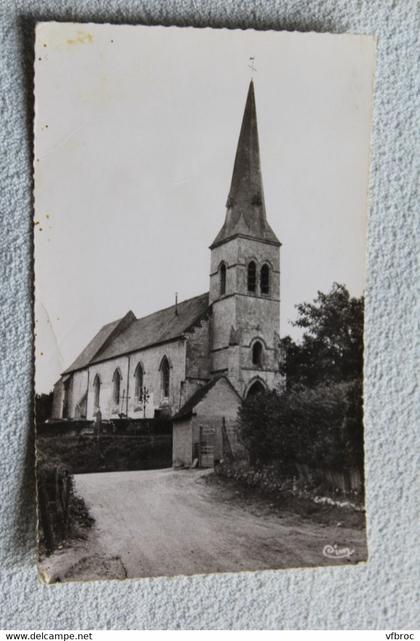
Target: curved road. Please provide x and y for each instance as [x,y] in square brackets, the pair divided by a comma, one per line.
[167,522]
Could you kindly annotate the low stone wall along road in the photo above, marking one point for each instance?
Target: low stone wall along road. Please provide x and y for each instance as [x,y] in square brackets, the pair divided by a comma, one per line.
[168,522]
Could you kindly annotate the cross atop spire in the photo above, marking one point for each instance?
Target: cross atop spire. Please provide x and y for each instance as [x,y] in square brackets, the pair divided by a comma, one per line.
[251,64]
[245,214]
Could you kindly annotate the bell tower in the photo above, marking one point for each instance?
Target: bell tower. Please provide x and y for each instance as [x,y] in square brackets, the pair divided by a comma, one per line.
[245,275]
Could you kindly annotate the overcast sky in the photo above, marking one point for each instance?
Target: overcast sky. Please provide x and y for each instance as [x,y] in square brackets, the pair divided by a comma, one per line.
[135,137]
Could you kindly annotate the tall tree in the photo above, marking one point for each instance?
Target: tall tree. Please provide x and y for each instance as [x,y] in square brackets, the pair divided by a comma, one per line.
[331,349]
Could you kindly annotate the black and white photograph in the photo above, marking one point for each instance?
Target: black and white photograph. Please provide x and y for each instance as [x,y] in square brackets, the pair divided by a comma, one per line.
[200,227]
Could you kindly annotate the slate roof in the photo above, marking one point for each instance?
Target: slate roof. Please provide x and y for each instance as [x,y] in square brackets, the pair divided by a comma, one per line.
[93,347]
[193,401]
[131,334]
[245,215]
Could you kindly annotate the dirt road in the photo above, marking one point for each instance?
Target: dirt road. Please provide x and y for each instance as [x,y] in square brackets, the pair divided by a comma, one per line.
[166,522]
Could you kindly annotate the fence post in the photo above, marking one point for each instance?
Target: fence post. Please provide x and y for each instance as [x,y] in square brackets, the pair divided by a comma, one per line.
[57,503]
[44,516]
[65,500]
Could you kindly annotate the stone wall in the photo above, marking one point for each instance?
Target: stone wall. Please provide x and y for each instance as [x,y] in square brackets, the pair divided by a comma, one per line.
[228,253]
[58,398]
[251,315]
[261,253]
[79,388]
[105,371]
[223,319]
[198,352]
[150,359]
[220,405]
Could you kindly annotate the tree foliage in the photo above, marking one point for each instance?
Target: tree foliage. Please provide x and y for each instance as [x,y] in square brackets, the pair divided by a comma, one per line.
[318,420]
[43,407]
[317,426]
[332,344]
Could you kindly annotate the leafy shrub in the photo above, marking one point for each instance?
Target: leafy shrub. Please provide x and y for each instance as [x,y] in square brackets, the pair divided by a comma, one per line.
[318,426]
[61,513]
[331,348]
[85,454]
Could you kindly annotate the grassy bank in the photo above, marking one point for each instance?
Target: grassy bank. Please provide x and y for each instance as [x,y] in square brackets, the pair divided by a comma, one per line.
[108,453]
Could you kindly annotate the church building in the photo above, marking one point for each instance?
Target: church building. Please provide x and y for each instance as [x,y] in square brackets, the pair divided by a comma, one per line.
[196,360]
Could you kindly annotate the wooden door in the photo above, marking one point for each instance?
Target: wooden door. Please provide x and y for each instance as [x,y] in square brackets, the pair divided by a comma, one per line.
[206,446]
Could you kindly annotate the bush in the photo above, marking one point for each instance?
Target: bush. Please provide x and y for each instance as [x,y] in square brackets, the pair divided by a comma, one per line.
[61,514]
[319,426]
[331,348]
[111,452]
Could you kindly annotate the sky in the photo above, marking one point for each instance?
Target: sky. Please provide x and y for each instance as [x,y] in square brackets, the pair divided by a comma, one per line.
[135,137]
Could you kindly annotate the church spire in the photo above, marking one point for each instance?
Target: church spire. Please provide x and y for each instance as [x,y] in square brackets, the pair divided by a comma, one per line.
[246,186]
[245,215]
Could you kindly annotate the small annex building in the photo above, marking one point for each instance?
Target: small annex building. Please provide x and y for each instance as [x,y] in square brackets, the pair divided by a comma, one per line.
[196,360]
[204,430]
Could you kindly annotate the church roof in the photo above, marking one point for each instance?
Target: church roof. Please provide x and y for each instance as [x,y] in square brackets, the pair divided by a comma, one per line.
[99,341]
[131,334]
[245,215]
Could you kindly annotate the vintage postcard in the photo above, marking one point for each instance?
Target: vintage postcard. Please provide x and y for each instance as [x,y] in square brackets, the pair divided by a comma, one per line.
[200,232]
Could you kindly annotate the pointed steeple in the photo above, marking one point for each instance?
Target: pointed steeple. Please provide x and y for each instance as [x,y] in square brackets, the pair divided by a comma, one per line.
[245,215]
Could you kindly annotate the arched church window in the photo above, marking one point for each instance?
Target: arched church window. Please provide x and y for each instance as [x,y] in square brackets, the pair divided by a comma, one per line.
[165,376]
[96,391]
[257,354]
[256,388]
[265,279]
[138,385]
[116,386]
[252,276]
[222,279]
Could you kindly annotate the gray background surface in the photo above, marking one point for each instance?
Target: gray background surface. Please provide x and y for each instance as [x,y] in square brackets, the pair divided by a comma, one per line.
[379,594]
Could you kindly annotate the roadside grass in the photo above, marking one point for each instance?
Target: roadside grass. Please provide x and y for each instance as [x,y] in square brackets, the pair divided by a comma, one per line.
[264,502]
